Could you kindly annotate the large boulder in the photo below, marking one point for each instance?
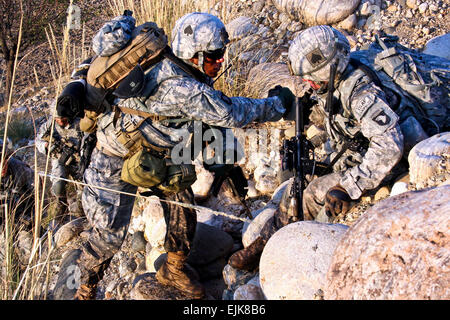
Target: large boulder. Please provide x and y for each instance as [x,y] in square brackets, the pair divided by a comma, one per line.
[439,46]
[296,259]
[399,249]
[317,12]
[429,161]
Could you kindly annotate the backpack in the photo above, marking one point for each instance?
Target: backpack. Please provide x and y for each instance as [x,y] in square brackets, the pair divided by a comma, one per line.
[421,82]
[125,52]
[417,86]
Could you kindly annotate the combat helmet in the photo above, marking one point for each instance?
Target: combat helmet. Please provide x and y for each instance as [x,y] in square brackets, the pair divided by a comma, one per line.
[313,51]
[200,33]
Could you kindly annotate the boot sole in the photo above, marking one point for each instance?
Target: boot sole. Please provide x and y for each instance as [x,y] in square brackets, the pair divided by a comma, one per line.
[169,283]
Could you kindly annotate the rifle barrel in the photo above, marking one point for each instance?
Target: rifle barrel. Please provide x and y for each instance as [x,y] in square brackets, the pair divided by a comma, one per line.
[298,158]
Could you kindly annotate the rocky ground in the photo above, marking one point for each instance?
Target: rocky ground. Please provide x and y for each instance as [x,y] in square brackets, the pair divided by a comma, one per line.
[270,31]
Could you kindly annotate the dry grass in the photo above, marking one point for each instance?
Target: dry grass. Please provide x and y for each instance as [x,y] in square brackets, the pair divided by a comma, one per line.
[31,282]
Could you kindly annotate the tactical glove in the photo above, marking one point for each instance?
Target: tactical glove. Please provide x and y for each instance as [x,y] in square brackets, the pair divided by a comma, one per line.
[337,201]
[287,99]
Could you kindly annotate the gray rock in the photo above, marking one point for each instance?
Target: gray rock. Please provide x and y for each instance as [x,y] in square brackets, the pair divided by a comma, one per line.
[234,278]
[398,250]
[251,231]
[211,270]
[249,291]
[439,46]
[209,244]
[296,259]
[138,242]
[429,161]
[69,231]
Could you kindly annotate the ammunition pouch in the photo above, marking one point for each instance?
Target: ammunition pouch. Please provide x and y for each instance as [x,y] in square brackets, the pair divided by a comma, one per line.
[179,178]
[144,169]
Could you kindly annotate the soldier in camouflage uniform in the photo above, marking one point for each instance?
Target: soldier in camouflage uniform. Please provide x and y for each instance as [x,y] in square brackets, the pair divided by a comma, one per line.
[359,113]
[64,153]
[66,139]
[177,92]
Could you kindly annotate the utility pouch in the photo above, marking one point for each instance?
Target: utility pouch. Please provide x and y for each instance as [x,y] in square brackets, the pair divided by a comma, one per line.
[144,169]
[179,178]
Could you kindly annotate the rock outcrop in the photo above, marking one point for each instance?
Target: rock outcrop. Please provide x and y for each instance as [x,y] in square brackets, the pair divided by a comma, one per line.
[429,161]
[399,249]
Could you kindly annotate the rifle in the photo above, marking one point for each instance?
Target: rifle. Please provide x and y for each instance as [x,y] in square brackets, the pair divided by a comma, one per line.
[63,148]
[295,156]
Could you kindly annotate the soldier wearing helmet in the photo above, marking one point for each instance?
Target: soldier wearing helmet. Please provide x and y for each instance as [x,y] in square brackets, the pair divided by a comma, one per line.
[362,130]
[177,92]
[356,112]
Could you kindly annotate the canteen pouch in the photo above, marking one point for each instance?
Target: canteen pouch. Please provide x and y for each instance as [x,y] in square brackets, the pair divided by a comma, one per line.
[144,169]
[179,178]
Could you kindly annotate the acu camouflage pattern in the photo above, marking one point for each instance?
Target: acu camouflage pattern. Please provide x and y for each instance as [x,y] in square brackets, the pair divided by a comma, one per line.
[113,36]
[169,91]
[313,52]
[71,133]
[198,32]
[17,189]
[363,110]
[108,212]
[366,112]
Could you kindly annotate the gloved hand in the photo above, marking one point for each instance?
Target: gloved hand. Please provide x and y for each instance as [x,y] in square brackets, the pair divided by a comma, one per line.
[337,201]
[287,99]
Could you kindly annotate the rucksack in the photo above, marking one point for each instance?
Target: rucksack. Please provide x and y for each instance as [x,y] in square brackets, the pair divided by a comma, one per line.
[106,72]
[118,68]
[420,81]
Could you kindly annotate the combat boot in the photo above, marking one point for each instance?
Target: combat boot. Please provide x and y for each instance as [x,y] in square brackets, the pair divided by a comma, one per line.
[248,258]
[176,273]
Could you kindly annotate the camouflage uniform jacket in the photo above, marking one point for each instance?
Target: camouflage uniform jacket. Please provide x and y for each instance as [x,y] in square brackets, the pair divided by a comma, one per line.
[170,91]
[70,133]
[362,109]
